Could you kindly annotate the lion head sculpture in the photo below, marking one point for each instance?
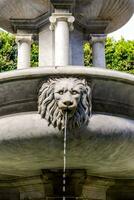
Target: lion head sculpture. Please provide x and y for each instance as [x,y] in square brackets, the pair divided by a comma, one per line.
[65,95]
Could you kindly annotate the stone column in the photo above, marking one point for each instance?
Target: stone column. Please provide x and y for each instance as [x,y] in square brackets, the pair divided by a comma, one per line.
[61,23]
[24,50]
[98,50]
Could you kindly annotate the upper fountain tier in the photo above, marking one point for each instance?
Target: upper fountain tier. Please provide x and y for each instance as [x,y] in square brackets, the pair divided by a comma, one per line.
[92,16]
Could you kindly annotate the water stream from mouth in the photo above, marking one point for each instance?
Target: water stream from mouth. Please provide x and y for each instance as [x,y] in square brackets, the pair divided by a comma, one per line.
[64,157]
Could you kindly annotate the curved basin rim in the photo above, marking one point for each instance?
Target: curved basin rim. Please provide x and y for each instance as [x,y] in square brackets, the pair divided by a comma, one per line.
[67,71]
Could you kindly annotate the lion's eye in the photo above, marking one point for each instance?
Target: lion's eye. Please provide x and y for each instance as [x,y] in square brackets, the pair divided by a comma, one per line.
[60,92]
[74,92]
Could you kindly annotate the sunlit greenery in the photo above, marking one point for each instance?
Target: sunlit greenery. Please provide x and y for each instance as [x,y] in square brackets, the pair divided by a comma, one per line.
[119,54]
[8,52]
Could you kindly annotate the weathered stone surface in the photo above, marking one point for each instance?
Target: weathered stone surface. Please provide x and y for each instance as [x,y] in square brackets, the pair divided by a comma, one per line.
[61,96]
[30,147]
[9,194]
[96,16]
[97,148]
[104,148]
[112,92]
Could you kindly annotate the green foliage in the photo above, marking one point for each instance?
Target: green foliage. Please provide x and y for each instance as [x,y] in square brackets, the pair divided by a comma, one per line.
[8,52]
[87,54]
[119,54]
[34,54]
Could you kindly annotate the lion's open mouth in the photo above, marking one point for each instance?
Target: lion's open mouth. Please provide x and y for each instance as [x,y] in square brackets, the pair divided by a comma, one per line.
[69,111]
[65,95]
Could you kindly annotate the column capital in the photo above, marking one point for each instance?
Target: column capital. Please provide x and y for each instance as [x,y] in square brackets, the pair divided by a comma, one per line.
[93,38]
[24,38]
[67,17]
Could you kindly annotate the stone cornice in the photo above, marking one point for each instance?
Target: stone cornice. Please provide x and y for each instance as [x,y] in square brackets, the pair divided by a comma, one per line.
[93,26]
[68,4]
[31,16]
[34,25]
[30,25]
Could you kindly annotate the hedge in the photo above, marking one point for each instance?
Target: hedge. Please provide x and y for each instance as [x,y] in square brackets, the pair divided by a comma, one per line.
[119,54]
[8,53]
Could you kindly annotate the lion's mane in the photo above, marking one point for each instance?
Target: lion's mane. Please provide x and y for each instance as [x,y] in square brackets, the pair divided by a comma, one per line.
[48,108]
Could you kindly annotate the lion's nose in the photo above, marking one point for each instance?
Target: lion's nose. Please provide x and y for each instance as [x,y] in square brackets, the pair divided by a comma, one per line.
[68,103]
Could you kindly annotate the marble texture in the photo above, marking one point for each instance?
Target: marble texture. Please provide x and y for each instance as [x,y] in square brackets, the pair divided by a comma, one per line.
[24,50]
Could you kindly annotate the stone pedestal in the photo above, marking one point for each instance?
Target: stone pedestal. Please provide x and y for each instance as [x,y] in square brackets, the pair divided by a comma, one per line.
[96,188]
[98,50]
[24,50]
[94,192]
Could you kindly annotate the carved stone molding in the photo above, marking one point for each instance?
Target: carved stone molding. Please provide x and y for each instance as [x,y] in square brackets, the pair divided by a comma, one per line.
[61,17]
[24,38]
[65,95]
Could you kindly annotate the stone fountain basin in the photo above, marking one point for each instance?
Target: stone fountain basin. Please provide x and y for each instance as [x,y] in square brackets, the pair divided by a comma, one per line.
[104,148]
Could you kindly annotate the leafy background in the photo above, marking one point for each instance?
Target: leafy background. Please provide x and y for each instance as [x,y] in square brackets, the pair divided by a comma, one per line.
[119,54]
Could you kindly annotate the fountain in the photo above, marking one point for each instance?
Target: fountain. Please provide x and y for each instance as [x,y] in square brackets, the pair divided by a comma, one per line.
[64,158]
[92,109]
